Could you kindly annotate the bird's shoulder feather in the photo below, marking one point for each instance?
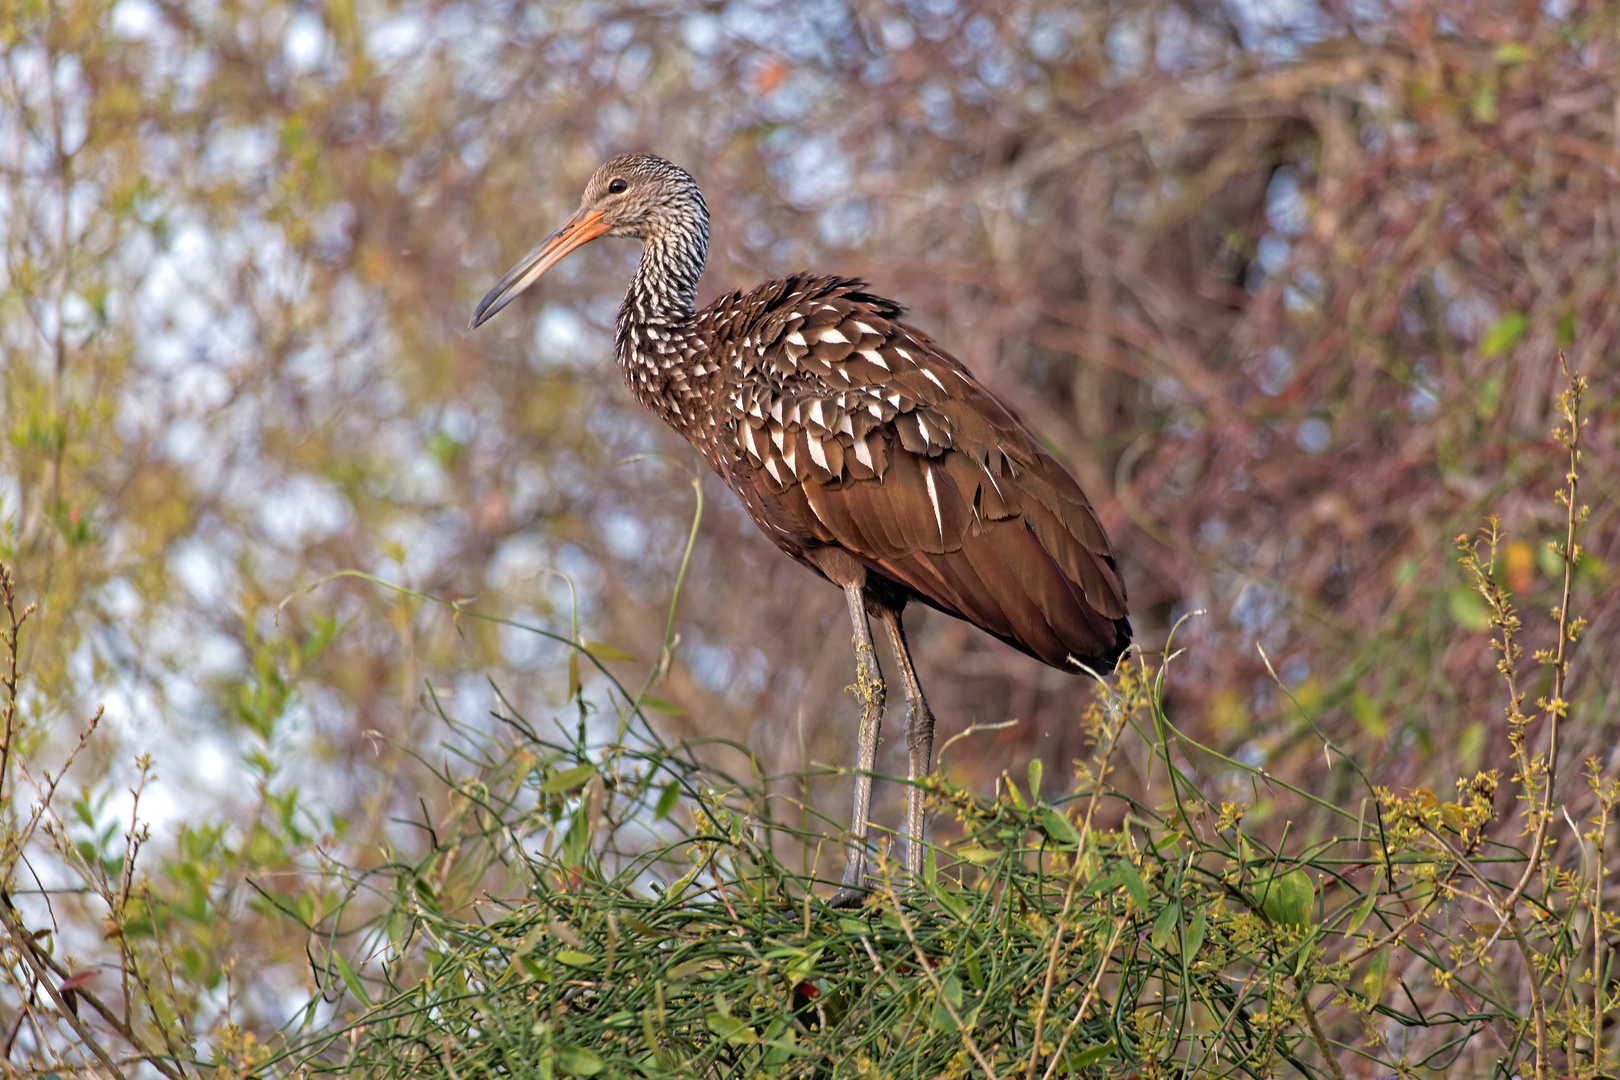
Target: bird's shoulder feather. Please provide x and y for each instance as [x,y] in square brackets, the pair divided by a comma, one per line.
[856,430]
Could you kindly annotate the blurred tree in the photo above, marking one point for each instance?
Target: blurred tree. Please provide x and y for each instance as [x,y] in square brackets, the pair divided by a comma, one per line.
[1283,284]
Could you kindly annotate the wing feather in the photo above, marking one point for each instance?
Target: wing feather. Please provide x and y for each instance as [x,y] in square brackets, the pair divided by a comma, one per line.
[856,431]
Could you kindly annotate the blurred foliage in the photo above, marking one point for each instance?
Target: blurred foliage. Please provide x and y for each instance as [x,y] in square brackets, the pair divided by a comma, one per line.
[1282,284]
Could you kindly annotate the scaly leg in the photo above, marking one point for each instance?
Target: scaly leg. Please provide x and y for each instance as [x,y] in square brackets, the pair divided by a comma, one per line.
[919,740]
[869,689]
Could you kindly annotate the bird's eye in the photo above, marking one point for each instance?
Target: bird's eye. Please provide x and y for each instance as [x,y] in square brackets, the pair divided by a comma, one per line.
[617,186]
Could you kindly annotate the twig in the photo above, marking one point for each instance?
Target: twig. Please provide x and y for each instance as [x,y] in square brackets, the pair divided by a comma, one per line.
[1569,403]
[66,1011]
[1079,1014]
[42,962]
[1120,716]
[9,678]
[933,980]
[1316,1030]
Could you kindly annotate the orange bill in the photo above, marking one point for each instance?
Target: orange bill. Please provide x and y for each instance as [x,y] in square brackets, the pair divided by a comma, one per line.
[578,230]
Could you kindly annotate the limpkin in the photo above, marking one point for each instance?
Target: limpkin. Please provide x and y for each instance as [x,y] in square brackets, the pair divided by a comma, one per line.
[863,449]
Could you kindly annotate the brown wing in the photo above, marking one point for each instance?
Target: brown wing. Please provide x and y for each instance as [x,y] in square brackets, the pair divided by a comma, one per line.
[857,431]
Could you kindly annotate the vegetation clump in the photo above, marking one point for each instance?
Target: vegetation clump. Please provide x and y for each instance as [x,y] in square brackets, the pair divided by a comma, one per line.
[595,900]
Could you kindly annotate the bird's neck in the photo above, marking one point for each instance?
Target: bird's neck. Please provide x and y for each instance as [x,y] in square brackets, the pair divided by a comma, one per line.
[655,334]
[664,290]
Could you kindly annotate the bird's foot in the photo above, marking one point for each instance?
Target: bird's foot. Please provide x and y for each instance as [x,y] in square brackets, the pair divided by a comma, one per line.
[849,896]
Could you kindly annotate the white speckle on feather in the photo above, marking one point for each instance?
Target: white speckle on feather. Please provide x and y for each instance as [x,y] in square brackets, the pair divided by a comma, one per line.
[933,378]
[933,497]
[992,478]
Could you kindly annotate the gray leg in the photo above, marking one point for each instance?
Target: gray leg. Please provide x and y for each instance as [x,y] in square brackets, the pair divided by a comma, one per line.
[869,689]
[919,740]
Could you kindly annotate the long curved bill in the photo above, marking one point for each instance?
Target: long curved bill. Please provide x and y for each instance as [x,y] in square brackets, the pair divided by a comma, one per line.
[580,229]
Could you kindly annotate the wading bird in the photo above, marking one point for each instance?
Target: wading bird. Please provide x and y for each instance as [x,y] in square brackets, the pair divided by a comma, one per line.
[862,448]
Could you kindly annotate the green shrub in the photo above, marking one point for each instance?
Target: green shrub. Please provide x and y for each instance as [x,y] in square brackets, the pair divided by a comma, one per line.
[597,901]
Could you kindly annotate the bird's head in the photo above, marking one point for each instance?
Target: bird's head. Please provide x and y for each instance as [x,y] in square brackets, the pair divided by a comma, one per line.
[635,195]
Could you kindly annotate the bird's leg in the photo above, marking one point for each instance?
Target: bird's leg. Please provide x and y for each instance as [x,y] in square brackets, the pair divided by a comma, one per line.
[919,741]
[869,689]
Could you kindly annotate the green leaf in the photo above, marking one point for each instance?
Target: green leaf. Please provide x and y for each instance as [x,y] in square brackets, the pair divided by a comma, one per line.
[1195,937]
[324,630]
[1368,716]
[803,969]
[1363,909]
[1035,769]
[1134,884]
[573,676]
[1504,335]
[950,991]
[1104,882]
[1566,330]
[1471,745]
[569,779]
[666,801]
[1372,983]
[954,904]
[730,1029]
[1287,899]
[1468,609]
[1164,926]
[1552,563]
[658,704]
[1488,395]
[977,854]
[575,958]
[853,926]
[1059,827]
[1091,1055]
[976,972]
[782,1042]
[606,652]
[351,978]
[578,1061]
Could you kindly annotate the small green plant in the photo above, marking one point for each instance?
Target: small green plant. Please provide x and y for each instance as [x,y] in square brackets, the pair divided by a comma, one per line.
[594,900]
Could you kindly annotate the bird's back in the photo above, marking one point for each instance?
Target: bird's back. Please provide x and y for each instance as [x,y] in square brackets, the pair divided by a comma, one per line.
[841,426]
